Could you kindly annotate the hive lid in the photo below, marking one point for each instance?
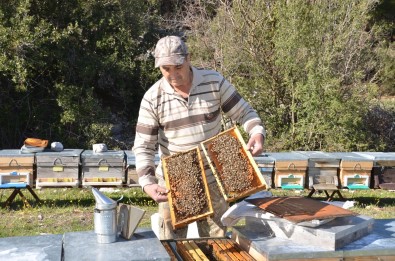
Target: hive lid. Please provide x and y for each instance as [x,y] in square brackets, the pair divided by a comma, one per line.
[15,153]
[63,153]
[319,156]
[102,201]
[131,159]
[264,159]
[350,156]
[287,156]
[116,154]
[380,158]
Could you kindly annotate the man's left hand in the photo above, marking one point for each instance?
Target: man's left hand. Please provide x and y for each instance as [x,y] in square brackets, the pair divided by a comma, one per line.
[255,144]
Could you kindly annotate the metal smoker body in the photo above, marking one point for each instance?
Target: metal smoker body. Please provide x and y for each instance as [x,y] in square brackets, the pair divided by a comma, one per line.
[105,218]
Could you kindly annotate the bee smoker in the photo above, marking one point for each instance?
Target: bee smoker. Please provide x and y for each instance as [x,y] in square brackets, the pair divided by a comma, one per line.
[105,218]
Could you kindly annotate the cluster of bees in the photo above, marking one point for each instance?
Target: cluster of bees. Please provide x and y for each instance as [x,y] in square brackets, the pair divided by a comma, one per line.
[186,185]
[233,165]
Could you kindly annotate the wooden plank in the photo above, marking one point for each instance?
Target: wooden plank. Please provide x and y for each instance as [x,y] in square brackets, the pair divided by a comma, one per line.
[245,244]
[16,161]
[7,169]
[329,187]
[291,165]
[226,250]
[198,250]
[191,251]
[244,255]
[230,249]
[169,250]
[218,252]
[183,251]
[356,165]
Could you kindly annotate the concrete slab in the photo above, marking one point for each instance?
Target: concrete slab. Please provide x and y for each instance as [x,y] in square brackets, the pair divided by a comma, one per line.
[332,235]
[379,243]
[32,248]
[144,245]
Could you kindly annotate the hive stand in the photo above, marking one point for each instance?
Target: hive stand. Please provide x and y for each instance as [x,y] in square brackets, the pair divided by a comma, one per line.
[327,185]
[17,190]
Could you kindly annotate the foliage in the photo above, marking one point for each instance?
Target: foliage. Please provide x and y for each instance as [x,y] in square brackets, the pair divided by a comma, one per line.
[72,69]
[307,67]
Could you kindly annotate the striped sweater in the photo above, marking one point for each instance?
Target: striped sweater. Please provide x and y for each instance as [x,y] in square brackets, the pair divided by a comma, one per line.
[172,124]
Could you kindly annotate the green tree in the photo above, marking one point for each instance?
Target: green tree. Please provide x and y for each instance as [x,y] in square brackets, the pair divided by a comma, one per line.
[306,66]
[72,69]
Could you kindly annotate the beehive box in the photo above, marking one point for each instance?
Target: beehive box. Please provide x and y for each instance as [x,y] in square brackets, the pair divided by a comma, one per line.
[355,170]
[188,196]
[382,171]
[290,170]
[103,169]
[382,159]
[58,169]
[265,165]
[385,179]
[321,166]
[13,161]
[233,166]
[131,173]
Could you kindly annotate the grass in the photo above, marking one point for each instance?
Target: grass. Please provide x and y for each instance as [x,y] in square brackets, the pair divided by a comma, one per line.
[71,209]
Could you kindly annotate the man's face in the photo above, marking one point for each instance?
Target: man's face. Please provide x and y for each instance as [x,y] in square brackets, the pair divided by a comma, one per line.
[177,75]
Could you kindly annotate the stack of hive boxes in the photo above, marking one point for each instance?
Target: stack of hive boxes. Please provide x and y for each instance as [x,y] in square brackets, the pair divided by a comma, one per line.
[16,167]
[322,168]
[289,170]
[58,169]
[103,169]
[131,174]
[265,164]
[383,172]
[355,170]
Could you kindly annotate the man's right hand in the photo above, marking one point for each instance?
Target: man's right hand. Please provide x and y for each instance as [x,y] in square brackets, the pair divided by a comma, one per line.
[156,192]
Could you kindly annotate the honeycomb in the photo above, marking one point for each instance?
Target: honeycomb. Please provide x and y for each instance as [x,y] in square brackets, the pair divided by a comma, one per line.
[232,165]
[186,182]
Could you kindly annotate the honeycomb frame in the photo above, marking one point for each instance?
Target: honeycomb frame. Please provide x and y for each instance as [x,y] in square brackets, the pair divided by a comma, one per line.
[178,195]
[258,182]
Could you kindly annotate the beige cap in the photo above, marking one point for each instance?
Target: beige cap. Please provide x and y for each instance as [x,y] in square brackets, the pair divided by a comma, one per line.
[170,50]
